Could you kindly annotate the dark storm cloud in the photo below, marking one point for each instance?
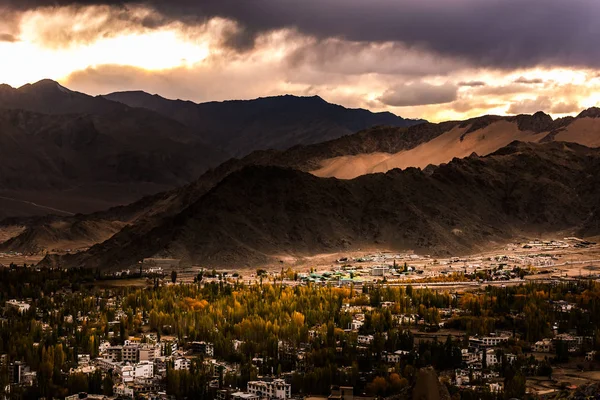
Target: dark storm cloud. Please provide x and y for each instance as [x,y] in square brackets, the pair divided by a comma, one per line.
[419,94]
[497,33]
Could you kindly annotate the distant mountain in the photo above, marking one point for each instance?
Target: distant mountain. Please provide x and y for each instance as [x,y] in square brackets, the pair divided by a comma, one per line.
[50,97]
[482,136]
[240,127]
[66,151]
[260,213]
[460,138]
[63,151]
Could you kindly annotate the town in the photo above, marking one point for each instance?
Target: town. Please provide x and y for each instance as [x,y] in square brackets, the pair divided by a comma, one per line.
[363,328]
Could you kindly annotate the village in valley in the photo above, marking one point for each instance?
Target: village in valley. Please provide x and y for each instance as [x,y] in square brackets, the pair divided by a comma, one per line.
[523,321]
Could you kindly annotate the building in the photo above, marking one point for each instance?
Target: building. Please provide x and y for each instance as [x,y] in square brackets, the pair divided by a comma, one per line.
[147,353]
[590,356]
[573,343]
[113,353]
[356,324]
[490,358]
[168,346]
[277,389]
[130,353]
[365,339]
[244,396]
[488,341]
[543,346]
[20,306]
[203,348]
[341,393]
[181,363]
[19,373]
[144,369]
[123,391]
[379,271]
[106,364]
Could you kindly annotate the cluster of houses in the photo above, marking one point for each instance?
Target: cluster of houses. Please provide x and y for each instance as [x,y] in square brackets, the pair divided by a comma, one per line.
[140,367]
[574,344]
[269,388]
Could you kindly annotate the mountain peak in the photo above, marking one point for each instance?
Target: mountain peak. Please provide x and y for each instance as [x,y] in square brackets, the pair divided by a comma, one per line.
[592,112]
[45,85]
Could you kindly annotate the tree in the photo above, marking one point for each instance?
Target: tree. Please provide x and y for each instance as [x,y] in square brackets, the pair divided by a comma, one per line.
[107,385]
[514,387]
[173,276]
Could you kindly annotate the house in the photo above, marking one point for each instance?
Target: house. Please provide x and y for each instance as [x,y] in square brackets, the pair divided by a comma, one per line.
[469,357]
[181,363]
[490,357]
[543,346]
[356,324]
[276,389]
[379,271]
[488,341]
[244,396]
[590,356]
[205,348]
[20,306]
[573,343]
[341,393]
[365,339]
[144,369]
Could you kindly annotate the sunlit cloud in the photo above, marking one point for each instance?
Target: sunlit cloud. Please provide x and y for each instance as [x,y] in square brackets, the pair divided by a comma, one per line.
[100,49]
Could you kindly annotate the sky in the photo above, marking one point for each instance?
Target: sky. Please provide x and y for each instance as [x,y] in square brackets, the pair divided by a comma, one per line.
[432,59]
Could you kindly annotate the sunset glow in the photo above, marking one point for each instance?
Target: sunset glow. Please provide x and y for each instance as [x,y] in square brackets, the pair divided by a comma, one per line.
[99,49]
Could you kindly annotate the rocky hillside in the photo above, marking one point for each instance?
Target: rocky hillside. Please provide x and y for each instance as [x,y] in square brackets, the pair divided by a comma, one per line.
[259,213]
[482,136]
[143,216]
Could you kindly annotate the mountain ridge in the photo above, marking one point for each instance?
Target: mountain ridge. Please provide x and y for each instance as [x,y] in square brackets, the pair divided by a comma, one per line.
[260,212]
[81,153]
[242,126]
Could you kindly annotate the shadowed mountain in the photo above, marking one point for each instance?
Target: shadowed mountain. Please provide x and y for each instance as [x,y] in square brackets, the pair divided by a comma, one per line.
[50,97]
[65,152]
[242,126]
[73,161]
[260,213]
[143,216]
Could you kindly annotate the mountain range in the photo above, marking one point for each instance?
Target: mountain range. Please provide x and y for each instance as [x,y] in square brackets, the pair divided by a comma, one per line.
[240,127]
[67,152]
[440,188]
[259,214]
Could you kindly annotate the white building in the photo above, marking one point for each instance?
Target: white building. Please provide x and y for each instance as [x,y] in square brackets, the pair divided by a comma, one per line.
[543,346]
[244,396]
[181,363]
[489,341]
[365,339]
[144,369]
[20,306]
[356,325]
[491,358]
[277,389]
[123,391]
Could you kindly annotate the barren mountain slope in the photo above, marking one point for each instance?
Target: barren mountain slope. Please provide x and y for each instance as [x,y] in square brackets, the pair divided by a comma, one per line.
[258,213]
[480,135]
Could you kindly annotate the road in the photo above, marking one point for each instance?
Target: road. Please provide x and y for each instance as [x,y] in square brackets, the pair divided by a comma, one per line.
[56,210]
